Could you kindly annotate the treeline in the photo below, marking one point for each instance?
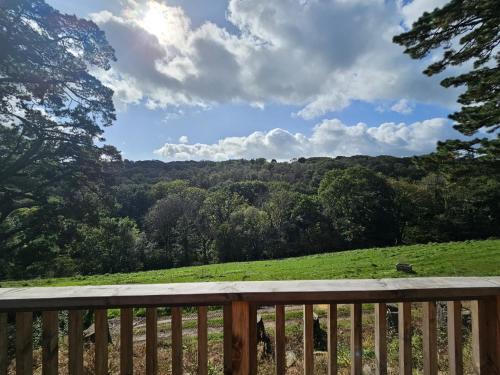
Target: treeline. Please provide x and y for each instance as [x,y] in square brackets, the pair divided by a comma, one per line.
[151,215]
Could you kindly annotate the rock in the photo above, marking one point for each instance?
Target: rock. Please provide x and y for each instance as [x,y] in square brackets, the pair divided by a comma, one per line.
[404,267]
[291,358]
[367,370]
[89,334]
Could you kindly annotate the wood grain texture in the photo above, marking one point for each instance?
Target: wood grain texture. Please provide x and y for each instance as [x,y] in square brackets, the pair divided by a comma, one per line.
[332,339]
[177,365]
[202,341]
[280,340]
[126,342]
[356,339]
[273,292]
[3,344]
[24,343]
[50,342]
[151,341]
[101,342]
[75,342]
[252,338]
[228,339]
[455,356]
[484,336]
[308,340]
[404,331]
[244,353]
[381,339]
[429,337]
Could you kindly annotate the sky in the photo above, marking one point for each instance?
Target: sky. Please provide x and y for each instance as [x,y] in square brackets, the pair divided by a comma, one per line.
[231,79]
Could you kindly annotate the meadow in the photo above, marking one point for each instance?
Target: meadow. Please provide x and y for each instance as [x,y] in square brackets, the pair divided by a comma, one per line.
[468,258]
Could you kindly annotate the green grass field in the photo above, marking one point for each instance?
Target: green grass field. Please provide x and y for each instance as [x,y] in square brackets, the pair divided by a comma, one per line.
[469,258]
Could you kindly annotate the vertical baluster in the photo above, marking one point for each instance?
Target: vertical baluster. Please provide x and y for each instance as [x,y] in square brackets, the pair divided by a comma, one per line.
[3,344]
[151,341]
[332,339]
[497,324]
[126,341]
[176,341]
[356,339]
[24,343]
[75,342]
[381,339]
[484,336]
[308,340]
[429,333]
[244,342]
[455,359]
[101,341]
[280,340]
[50,342]
[202,341]
[404,328]
[228,339]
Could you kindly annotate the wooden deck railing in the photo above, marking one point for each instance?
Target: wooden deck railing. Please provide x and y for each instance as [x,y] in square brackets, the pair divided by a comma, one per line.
[240,300]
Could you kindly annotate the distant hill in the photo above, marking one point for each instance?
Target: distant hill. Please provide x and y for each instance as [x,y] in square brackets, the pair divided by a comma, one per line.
[307,172]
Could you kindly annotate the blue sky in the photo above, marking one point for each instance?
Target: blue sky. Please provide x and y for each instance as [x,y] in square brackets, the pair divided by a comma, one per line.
[224,79]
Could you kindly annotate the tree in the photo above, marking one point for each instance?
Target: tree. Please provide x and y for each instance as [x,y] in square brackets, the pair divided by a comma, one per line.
[107,248]
[52,110]
[245,236]
[360,205]
[468,31]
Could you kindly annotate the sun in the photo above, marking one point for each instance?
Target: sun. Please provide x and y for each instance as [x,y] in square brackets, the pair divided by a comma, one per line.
[154,21]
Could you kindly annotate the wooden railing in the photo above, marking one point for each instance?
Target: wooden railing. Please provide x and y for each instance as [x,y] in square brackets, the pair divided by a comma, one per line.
[240,300]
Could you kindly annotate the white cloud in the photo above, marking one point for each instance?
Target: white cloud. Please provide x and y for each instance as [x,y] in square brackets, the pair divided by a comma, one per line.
[314,54]
[328,138]
[183,139]
[403,106]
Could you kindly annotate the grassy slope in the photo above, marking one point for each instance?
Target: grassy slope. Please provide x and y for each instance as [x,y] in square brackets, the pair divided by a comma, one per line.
[469,258]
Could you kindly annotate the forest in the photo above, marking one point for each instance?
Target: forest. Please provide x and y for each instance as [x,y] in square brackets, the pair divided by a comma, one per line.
[153,215]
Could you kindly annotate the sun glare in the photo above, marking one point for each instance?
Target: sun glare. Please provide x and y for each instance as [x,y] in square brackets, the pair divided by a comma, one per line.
[154,22]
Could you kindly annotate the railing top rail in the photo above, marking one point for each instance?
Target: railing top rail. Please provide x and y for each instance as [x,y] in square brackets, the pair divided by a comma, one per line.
[213,293]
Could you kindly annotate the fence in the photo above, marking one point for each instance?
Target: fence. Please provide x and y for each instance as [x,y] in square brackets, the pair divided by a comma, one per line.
[240,301]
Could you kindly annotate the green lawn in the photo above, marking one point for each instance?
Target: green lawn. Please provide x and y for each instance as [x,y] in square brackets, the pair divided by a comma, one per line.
[469,258]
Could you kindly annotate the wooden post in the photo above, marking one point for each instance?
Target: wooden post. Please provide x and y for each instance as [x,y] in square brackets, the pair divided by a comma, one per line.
[24,343]
[75,342]
[3,344]
[455,356]
[228,339]
[280,340]
[202,340]
[356,339]
[177,366]
[126,341]
[151,341]
[381,339]
[484,336]
[244,348]
[429,328]
[50,342]
[404,328]
[101,341]
[308,340]
[332,339]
